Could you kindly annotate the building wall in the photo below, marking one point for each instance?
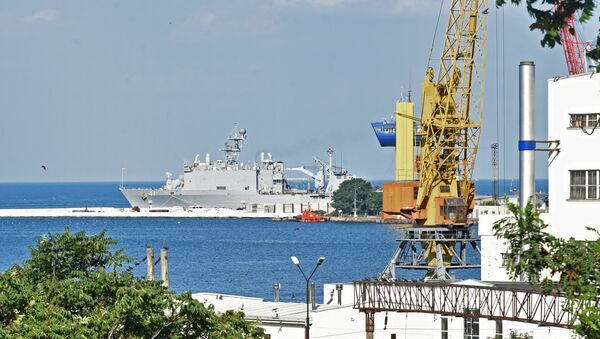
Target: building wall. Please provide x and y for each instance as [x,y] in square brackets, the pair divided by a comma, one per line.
[578,151]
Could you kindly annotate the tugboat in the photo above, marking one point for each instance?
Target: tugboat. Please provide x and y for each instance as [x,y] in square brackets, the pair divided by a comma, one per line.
[310,216]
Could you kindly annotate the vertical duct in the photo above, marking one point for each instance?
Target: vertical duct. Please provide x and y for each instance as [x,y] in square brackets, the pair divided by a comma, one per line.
[313,295]
[339,288]
[526,131]
[276,287]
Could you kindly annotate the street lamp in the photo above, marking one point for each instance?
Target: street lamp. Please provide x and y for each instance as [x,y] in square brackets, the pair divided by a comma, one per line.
[296,262]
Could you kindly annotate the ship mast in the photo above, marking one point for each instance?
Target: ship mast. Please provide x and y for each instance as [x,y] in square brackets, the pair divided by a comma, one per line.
[233,146]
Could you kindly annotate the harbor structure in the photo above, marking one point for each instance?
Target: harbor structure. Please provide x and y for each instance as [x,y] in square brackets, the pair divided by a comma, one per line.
[493,307]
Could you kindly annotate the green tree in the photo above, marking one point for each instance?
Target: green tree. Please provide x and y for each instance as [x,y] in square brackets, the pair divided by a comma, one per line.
[549,21]
[532,251]
[74,286]
[368,201]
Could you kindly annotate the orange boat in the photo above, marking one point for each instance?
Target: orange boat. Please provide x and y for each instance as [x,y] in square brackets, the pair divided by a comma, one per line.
[310,216]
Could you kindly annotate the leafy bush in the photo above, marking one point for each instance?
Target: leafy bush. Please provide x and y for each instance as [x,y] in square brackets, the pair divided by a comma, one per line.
[74,286]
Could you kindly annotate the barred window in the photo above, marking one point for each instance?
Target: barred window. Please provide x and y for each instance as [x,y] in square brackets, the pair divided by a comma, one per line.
[577,120]
[588,120]
[592,120]
[498,329]
[584,184]
[471,324]
[444,328]
[592,185]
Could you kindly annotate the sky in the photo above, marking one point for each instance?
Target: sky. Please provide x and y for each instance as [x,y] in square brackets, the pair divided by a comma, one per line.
[90,87]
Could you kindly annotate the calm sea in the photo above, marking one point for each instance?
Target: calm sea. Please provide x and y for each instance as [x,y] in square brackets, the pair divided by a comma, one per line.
[233,256]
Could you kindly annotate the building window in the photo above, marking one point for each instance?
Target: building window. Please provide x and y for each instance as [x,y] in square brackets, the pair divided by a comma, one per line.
[588,120]
[576,120]
[498,329]
[504,260]
[592,185]
[584,184]
[221,188]
[471,322]
[444,328]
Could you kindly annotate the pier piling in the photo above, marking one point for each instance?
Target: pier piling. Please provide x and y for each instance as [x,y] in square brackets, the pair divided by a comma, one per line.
[164,267]
[149,263]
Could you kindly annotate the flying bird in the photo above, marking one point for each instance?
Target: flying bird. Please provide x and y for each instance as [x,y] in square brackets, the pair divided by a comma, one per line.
[44,167]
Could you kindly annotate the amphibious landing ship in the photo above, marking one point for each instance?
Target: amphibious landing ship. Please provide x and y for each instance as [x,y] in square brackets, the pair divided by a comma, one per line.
[250,186]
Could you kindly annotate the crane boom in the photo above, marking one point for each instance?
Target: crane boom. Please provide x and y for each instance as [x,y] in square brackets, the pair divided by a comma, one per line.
[571,44]
[451,115]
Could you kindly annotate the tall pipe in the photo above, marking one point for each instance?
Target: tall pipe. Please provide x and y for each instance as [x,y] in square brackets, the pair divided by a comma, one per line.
[339,288]
[276,287]
[313,296]
[526,131]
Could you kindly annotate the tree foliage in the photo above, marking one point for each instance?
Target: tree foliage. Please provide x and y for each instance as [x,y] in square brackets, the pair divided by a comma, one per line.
[550,21]
[368,201]
[73,286]
[536,256]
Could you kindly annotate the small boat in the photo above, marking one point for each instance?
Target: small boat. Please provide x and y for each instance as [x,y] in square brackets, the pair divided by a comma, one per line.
[310,216]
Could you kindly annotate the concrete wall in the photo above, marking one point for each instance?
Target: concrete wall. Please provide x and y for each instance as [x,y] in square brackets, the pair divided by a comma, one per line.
[578,151]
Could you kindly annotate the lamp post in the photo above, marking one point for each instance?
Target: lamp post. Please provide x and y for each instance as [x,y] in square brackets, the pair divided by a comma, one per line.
[296,262]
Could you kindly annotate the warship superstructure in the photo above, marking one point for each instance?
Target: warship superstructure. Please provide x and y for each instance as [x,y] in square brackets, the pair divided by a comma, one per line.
[254,186]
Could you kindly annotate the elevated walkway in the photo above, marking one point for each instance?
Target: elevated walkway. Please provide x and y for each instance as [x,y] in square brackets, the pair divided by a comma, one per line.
[512,301]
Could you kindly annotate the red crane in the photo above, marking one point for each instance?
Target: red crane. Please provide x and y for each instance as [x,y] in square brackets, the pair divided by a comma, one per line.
[574,53]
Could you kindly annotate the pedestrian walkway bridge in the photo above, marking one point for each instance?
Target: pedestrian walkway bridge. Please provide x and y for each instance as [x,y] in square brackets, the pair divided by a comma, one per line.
[512,301]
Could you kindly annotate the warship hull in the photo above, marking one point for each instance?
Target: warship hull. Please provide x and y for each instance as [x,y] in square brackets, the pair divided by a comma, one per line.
[246,200]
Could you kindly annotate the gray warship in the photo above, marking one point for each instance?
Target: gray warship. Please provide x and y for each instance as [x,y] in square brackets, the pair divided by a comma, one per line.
[252,186]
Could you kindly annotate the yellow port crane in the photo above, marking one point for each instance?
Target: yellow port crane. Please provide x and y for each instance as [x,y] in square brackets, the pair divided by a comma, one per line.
[450,124]
[434,190]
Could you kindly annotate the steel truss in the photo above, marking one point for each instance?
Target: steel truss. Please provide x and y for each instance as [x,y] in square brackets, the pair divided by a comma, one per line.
[447,242]
[509,301]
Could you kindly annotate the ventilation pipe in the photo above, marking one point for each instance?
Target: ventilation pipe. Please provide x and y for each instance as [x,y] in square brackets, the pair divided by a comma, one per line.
[276,287]
[526,131]
[313,295]
[339,288]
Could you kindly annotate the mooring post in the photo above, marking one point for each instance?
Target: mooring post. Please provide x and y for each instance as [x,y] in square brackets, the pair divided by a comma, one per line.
[370,324]
[164,267]
[149,263]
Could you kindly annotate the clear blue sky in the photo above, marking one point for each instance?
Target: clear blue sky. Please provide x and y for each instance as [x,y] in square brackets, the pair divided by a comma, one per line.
[89,87]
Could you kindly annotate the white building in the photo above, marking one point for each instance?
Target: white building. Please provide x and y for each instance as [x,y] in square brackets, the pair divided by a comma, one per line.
[573,171]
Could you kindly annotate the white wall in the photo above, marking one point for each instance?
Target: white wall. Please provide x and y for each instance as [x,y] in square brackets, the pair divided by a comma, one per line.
[576,94]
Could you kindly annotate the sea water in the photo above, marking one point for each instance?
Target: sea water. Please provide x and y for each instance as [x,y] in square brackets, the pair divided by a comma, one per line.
[231,256]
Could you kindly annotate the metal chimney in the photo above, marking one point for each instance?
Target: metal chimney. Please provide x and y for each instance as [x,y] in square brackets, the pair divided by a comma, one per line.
[526,131]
